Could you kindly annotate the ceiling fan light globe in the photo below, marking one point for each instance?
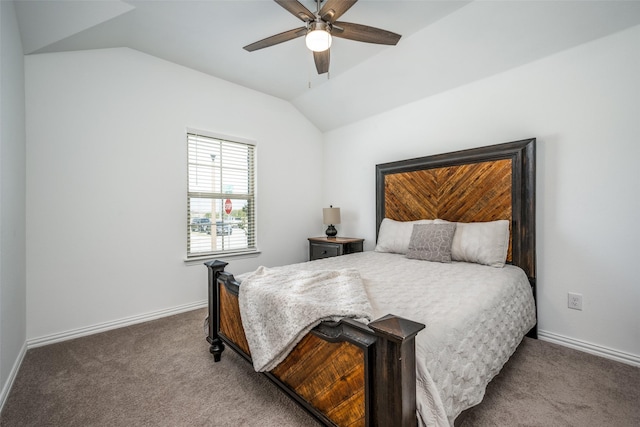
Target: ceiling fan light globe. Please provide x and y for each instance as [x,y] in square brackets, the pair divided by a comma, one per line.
[318,40]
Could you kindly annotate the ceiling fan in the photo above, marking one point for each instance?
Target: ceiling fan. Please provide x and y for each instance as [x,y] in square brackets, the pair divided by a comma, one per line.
[321,26]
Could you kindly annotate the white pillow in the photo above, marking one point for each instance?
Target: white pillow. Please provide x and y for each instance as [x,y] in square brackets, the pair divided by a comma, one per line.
[484,243]
[394,236]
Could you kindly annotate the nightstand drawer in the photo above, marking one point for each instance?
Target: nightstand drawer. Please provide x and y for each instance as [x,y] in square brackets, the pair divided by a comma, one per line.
[325,247]
[324,250]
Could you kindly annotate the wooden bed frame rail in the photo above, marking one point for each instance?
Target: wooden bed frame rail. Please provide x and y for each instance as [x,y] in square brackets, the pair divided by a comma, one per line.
[366,377]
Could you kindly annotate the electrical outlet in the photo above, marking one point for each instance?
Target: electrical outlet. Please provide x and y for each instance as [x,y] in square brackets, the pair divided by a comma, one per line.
[575,301]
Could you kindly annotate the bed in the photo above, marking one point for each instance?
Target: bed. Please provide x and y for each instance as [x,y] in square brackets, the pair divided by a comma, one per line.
[348,373]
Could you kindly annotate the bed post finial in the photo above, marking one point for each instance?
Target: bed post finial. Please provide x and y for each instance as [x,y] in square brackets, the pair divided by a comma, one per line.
[396,404]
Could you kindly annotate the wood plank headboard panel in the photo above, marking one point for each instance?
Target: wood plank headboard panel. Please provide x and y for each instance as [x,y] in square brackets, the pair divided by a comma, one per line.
[477,185]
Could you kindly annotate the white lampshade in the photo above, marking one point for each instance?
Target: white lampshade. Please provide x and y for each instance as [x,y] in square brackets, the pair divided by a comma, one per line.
[318,40]
[330,215]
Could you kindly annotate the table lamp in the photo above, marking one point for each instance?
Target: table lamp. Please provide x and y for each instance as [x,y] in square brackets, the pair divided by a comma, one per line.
[331,216]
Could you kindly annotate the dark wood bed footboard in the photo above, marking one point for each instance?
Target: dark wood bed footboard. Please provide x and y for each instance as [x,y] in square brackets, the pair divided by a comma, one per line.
[344,373]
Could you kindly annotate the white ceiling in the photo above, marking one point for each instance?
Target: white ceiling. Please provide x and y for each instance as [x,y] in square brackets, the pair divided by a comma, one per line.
[445,43]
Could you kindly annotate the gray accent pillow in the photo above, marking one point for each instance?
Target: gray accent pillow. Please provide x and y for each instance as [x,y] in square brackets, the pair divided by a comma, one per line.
[431,242]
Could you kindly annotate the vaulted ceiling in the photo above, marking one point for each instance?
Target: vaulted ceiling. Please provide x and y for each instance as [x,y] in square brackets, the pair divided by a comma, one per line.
[444,44]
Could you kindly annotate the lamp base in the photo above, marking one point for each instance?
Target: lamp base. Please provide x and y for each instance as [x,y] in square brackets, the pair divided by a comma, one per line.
[331,231]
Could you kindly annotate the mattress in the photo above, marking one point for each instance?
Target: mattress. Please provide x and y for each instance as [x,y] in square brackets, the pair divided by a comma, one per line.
[475,317]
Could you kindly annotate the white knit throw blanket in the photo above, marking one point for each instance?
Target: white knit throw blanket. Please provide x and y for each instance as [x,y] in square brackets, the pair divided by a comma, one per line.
[278,308]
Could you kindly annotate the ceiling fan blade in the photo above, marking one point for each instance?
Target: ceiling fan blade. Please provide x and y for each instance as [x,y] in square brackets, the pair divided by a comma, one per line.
[322,61]
[278,38]
[364,33]
[333,9]
[297,9]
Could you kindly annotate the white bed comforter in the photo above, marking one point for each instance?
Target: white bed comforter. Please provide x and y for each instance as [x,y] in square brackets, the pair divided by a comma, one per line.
[475,317]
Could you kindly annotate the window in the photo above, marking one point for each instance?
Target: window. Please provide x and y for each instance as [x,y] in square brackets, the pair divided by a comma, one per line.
[220,196]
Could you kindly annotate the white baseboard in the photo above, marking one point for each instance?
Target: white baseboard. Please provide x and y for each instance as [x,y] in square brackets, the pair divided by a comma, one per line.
[598,350]
[106,326]
[12,376]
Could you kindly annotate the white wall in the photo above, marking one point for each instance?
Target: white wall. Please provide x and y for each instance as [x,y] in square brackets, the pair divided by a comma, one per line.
[106,171]
[582,106]
[12,200]
[106,184]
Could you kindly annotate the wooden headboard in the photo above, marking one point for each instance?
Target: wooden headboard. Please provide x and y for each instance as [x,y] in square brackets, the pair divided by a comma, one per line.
[476,185]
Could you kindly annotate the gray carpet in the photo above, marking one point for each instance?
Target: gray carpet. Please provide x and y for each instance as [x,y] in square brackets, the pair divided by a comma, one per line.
[161,373]
[545,384]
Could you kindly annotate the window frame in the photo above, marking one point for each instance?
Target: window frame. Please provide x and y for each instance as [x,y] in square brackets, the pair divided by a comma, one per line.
[250,196]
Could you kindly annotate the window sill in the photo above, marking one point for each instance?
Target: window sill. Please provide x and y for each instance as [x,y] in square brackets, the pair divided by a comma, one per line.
[199,260]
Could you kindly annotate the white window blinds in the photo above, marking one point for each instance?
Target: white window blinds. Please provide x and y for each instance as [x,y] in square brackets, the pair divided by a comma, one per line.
[220,197]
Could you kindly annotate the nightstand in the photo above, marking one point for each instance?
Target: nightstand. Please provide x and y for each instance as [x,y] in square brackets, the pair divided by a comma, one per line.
[325,247]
